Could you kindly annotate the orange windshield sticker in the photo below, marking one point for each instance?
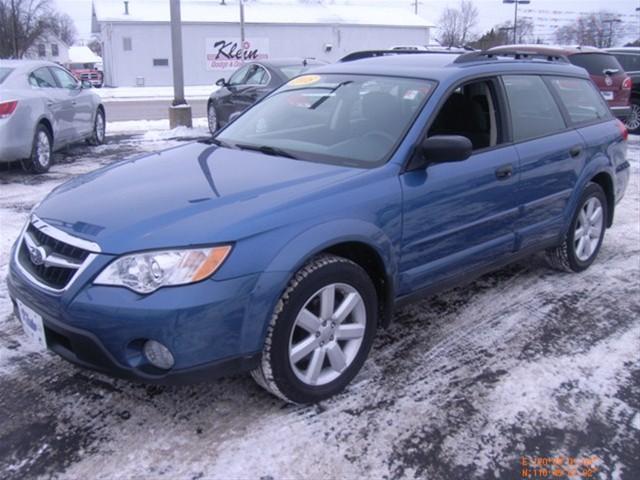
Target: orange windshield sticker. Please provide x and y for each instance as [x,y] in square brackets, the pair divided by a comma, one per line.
[304,80]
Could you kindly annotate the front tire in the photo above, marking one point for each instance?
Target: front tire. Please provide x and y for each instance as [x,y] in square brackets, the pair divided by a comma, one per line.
[586,232]
[41,152]
[99,129]
[320,333]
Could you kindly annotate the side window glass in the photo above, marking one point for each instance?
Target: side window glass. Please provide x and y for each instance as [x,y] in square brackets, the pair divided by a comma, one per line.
[42,78]
[257,76]
[582,101]
[471,111]
[534,112]
[64,79]
[238,78]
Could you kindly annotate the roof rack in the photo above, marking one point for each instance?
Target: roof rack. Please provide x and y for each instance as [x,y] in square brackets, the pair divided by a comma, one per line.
[517,55]
[383,53]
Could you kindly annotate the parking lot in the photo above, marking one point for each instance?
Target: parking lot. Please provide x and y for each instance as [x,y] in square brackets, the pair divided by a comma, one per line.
[523,363]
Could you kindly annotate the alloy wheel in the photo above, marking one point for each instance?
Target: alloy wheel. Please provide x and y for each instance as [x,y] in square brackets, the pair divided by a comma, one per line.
[43,149]
[633,120]
[588,230]
[327,334]
[100,127]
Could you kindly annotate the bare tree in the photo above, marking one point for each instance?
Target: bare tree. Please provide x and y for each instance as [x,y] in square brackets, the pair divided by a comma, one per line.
[63,27]
[524,32]
[456,24]
[468,20]
[601,29]
[25,22]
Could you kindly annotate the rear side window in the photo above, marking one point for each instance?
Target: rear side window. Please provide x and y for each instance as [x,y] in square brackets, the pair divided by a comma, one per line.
[595,63]
[534,112]
[4,73]
[42,78]
[582,101]
[629,61]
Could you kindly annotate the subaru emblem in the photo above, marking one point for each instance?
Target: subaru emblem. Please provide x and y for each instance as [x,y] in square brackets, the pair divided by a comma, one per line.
[37,255]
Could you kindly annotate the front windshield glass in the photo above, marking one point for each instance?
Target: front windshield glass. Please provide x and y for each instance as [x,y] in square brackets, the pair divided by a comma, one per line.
[355,120]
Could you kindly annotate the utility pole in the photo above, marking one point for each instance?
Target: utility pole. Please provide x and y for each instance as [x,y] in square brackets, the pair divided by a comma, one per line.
[611,21]
[180,110]
[241,2]
[515,16]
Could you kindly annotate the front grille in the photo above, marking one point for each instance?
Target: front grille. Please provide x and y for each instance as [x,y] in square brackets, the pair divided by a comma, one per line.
[60,263]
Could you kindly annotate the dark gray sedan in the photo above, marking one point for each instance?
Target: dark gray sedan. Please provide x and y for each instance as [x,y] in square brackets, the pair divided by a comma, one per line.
[43,108]
[249,84]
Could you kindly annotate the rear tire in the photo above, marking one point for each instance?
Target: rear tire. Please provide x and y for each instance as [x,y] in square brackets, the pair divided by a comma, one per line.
[320,333]
[633,120]
[41,152]
[212,118]
[586,232]
[99,128]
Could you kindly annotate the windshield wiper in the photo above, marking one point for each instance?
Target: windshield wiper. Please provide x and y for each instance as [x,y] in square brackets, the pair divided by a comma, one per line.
[217,142]
[266,149]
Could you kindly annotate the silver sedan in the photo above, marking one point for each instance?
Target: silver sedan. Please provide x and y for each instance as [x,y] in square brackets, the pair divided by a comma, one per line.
[43,107]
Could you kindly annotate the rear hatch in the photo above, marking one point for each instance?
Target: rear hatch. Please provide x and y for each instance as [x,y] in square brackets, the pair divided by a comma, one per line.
[606,73]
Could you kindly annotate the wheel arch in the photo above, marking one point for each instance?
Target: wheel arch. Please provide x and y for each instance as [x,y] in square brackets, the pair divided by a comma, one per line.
[604,180]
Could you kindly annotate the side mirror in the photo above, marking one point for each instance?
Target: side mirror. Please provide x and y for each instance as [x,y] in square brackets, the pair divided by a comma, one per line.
[446,148]
[86,84]
[221,82]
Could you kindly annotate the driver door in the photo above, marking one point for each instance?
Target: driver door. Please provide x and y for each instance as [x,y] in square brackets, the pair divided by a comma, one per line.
[458,217]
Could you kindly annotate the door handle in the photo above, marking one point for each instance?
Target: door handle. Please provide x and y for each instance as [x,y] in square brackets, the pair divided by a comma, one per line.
[575,151]
[504,172]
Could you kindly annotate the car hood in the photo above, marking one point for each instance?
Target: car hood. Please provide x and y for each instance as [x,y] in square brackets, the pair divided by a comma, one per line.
[194,194]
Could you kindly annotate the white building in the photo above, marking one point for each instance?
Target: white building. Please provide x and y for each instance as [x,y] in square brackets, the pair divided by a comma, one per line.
[49,48]
[137,43]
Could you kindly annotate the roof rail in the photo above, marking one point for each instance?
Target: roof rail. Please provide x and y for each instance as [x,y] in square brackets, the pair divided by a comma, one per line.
[517,55]
[380,53]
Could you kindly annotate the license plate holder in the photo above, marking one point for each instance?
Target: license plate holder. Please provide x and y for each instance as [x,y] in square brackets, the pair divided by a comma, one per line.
[608,96]
[32,325]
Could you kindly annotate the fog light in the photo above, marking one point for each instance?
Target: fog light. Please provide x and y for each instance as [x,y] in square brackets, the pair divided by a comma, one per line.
[158,355]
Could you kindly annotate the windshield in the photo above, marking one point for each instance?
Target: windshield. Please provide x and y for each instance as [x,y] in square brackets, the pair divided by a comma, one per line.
[4,73]
[291,71]
[355,120]
[595,63]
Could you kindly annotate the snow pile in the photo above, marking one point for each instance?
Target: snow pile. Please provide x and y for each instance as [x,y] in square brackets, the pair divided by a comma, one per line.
[191,92]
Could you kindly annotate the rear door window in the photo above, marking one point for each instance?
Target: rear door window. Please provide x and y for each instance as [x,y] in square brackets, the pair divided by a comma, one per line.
[4,73]
[629,61]
[534,112]
[42,78]
[583,102]
[596,63]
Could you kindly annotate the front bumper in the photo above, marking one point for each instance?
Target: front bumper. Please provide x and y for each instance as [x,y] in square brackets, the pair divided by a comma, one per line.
[621,112]
[210,327]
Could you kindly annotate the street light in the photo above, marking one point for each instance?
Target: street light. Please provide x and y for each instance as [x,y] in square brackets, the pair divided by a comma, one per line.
[515,15]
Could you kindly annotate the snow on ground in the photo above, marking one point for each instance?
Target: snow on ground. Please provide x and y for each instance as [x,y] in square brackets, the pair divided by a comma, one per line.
[159,129]
[191,92]
[522,362]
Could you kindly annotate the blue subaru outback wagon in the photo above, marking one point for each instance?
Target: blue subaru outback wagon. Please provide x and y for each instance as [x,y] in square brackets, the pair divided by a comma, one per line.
[281,245]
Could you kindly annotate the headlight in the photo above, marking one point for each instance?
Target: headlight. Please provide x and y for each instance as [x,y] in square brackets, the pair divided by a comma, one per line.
[145,272]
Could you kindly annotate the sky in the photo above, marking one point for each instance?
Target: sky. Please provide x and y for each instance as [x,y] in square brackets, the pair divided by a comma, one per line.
[545,13]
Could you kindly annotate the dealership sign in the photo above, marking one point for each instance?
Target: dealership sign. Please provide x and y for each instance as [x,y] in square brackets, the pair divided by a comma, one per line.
[227,53]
